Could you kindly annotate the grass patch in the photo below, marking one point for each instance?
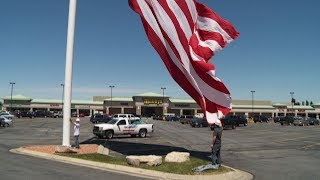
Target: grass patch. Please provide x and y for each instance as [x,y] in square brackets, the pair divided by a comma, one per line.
[176,168]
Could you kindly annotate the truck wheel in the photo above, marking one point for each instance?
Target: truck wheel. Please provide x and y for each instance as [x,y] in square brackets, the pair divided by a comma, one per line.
[6,125]
[99,136]
[233,127]
[109,134]
[142,133]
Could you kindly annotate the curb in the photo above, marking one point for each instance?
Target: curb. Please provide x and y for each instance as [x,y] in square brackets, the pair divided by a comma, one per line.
[235,174]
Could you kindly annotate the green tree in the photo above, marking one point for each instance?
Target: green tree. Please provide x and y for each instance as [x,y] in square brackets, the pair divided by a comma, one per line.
[307,103]
[311,103]
[302,103]
[293,101]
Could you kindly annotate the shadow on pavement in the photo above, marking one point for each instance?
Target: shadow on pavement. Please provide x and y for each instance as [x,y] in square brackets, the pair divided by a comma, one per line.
[132,148]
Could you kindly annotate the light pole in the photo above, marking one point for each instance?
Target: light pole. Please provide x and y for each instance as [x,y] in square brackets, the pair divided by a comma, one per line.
[12,83]
[62,96]
[111,86]
[292,100]
[163,88]
[252,92]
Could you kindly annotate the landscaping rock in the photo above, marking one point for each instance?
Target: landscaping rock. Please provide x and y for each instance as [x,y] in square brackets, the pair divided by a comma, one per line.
[150,160]
[133,162]
[65,149]
[102,150]
[178,157]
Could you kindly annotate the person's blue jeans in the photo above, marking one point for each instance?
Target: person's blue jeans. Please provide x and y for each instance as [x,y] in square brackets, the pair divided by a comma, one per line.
[216,158]
[76,141]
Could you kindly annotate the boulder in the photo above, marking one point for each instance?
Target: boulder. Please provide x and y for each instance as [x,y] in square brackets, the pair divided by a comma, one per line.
[102,150]
[177,157]
[65,149]
[133,162]
[150,160]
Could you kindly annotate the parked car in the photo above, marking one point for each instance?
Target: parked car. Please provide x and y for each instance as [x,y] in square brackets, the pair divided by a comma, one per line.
[100,118]
[58,114]
[299,121]
[287,120]
[5,122]
[6,115]
[260,118]
[21,114]
[313,121]
[198,122]
[185,119]
[43,114]
[171,118]
[277,119]
[240,119]
[237,119]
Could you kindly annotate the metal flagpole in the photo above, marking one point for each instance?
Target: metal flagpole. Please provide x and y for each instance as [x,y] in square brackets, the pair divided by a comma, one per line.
[68,74]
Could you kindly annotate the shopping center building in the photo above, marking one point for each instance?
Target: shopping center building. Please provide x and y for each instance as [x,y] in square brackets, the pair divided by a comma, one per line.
[148,104]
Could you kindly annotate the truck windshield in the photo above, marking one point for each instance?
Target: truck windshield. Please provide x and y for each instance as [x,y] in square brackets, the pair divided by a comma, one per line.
[112,121]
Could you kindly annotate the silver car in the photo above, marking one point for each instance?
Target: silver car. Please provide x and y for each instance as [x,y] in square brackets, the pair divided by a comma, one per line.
[5,122]
[300,122]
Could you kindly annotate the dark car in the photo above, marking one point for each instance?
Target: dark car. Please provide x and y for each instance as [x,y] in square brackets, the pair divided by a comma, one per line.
[312,121]
[171,118]
[98,118]
[185,119]
[240,119]
[22,114]
[287,120]
[260,118]
[228,122]
[43,114]
[300,122]
[237,120]
[198,122]
[277,119]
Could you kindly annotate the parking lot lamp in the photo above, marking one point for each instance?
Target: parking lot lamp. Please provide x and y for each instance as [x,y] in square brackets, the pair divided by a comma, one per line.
[163,88]
[111,86]
[12,83]
[252,92]
[62,96]
[292,100]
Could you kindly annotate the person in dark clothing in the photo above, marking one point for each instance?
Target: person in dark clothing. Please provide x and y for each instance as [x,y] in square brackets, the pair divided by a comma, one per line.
[216,144]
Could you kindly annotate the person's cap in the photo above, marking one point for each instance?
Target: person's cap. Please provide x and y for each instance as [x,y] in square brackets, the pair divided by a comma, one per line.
[77,120]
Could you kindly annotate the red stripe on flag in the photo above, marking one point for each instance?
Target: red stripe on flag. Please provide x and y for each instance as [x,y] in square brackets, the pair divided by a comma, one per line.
[207,12]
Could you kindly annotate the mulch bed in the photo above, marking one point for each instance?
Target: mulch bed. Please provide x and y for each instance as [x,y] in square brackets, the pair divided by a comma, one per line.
[50,149]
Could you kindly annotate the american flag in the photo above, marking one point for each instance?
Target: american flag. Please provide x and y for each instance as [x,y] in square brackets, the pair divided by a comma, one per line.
[186,34]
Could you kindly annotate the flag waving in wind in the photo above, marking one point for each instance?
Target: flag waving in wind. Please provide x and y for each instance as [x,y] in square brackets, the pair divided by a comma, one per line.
[186,34]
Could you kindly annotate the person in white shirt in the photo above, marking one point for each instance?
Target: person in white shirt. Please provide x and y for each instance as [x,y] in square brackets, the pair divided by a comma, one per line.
[76,132]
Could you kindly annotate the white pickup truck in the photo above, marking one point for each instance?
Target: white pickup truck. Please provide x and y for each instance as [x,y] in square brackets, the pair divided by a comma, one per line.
[125,116]
[120,127]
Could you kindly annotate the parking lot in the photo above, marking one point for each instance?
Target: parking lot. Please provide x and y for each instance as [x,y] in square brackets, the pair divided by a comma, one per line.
[267,150]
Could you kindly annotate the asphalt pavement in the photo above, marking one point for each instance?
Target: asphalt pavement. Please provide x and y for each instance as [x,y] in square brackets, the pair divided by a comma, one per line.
[267,150]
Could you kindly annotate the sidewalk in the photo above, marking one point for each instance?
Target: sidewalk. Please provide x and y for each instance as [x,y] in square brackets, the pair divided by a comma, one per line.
[232,175]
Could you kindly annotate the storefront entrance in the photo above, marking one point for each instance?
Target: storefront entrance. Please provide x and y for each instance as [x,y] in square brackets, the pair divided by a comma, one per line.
[150,111]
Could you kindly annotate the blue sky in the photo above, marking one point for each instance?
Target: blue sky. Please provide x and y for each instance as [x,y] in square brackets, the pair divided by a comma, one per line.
[277,51]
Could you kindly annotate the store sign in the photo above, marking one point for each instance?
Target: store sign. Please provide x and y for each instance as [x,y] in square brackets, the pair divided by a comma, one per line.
[54,105]
[152,101]
[182,105]
[82,106]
